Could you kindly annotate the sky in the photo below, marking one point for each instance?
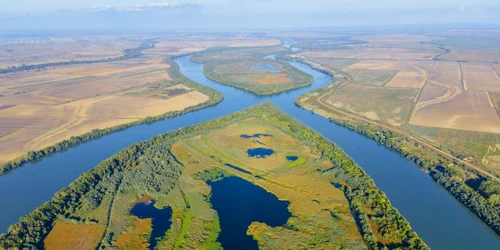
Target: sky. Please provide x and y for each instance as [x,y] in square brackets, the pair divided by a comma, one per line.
[240,14]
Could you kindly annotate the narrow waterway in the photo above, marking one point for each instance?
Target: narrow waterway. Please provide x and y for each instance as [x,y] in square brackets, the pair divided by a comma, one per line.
[436,216]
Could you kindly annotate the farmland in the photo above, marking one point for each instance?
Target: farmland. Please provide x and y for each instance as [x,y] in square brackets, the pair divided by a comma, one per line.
[41,107]
[69,101]
[446,94]
[325,192]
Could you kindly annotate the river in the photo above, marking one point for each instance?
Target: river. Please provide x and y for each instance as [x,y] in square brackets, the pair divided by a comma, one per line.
[436,216]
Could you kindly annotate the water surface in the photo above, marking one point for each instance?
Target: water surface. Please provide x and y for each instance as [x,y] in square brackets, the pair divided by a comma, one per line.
[239,203]
[160,219]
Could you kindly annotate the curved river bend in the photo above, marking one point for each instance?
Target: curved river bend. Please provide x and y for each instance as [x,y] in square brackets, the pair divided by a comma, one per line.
[437,217]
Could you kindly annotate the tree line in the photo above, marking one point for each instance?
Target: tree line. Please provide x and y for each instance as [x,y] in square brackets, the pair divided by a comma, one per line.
[177,77]
[127,54]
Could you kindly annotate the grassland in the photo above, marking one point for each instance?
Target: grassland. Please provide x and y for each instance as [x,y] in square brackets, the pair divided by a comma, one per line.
[240,68]
[73,236]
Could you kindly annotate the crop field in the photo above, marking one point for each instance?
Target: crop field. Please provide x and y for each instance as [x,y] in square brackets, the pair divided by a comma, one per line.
[17,51]
[372,54]
[480,76]
[445,103]
[468,110]
[40,108]
[455,105]
[190,44]
[390,105]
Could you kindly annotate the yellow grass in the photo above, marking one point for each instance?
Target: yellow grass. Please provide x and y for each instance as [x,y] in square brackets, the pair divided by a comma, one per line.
[310,195]
[73,236]
[138,238]
[272,78]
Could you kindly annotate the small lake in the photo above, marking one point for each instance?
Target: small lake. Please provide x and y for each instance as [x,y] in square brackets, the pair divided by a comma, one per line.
[160,218]
[266,67]
[260,152]
[238,204]
[255,136]
[292,158]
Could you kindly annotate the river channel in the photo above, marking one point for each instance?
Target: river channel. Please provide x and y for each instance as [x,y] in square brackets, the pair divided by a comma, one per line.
[441,221]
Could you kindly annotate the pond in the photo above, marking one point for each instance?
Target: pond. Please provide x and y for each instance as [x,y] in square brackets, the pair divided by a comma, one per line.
[260,152]
[238,204]
[255,136]
[267,67]
[292,158]
[160,219]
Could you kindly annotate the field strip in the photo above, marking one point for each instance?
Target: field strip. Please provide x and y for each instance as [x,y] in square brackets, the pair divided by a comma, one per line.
[53,82]
[110,209]
[444,98]
[405,133]
[462,75]
[498,76]
[419,94]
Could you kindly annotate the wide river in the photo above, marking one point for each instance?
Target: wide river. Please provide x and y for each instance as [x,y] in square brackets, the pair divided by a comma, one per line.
[436,216]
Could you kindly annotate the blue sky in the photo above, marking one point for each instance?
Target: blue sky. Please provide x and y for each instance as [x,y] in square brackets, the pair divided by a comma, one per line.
[240,14]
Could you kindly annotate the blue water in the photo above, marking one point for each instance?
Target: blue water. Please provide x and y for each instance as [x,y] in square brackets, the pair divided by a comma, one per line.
[260,152]
[160,219]
[255,136]
[437,217]
[292,158]
[239,203]
[267,67]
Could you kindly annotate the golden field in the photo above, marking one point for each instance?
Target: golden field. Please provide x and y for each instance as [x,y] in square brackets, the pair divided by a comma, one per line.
[453,100]
[41,108]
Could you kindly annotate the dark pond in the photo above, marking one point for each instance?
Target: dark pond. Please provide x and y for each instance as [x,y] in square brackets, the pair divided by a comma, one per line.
[239,203]
[292,158]
[267,67]
[260,152]
[160,218]
[255,136]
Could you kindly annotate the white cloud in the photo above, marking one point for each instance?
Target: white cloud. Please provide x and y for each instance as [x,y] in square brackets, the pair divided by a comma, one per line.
[139,7]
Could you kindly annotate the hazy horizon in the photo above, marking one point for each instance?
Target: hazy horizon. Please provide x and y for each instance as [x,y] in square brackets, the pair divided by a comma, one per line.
[244,15]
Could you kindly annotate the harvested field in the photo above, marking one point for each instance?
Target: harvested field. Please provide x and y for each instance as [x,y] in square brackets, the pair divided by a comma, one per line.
[390,105]
[480,76]
[73,236]
[372,77]
[410,74]
[17,51]
[467,110]
[75,118]
[372,54]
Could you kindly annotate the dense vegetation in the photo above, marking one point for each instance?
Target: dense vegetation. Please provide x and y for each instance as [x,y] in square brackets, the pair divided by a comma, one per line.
[150,168]
[177,77]
[448,174]
[127,54]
